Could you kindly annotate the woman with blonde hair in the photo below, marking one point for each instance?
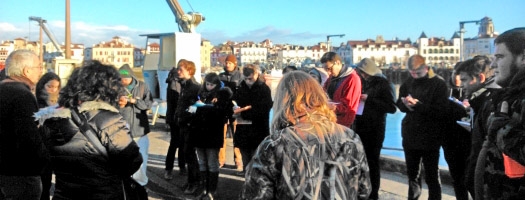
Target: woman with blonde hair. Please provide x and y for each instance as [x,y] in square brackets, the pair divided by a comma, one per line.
[307,155]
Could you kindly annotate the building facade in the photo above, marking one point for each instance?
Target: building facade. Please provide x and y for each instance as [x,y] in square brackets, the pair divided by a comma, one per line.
[439,51]
[383,52]
[483,42]
[115,52]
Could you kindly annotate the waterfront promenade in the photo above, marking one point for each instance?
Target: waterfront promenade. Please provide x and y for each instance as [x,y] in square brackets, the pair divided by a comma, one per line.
[393,181]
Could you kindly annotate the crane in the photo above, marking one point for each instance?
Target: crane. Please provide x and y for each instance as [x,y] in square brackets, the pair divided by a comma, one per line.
[187,22]
[41,23]
[328,40]
[461,32]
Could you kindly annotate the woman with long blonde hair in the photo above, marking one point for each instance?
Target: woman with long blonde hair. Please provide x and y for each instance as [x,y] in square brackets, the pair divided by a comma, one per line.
[308,155]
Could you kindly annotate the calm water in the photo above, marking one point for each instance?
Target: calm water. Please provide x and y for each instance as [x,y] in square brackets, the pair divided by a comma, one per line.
[393,137]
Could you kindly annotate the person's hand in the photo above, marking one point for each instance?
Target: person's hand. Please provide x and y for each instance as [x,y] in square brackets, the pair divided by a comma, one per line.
[497,121]
[122,101]
[364,97]
[409,102]
[239,109]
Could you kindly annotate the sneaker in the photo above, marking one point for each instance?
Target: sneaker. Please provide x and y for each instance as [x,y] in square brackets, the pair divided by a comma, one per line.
[168,175]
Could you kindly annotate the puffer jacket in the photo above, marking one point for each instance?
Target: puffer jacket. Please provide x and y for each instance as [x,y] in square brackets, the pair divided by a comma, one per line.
[309,159]
[81,172]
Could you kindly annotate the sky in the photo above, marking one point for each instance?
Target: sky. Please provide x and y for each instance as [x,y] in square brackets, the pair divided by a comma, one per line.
[299,22]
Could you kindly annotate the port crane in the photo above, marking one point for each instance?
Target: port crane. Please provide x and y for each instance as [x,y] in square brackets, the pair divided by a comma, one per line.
[42,24]
[184,44]
[187,22]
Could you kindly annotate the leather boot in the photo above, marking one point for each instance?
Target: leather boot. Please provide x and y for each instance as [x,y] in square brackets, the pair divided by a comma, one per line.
[211,185]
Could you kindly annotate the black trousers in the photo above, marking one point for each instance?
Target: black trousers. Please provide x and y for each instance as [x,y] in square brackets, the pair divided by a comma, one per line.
[176,142]
[457,152]
[414,158]
[190,155]
[373,142]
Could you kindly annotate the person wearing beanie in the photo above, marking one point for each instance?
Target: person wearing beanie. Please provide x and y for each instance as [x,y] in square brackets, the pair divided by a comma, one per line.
[423,97]
[378,98]
[231,77]
[134,104]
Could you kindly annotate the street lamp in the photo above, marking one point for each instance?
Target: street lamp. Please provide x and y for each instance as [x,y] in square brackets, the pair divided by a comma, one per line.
[328,40]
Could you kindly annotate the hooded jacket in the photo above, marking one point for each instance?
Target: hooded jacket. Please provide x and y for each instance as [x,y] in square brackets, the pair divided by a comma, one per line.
[81,172]
[136,114]
[231,79]
[345,90]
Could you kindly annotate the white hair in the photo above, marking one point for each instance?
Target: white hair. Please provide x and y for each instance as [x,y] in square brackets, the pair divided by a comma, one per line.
[18,60]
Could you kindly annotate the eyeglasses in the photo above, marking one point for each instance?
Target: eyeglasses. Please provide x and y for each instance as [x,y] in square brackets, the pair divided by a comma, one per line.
[325,66]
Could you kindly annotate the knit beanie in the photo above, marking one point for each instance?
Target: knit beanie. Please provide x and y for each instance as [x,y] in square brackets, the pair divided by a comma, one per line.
[231,58]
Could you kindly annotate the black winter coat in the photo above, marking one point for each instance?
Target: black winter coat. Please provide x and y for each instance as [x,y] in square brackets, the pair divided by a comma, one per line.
[260,98]
[188,96]
[208,125]
[22,151]
[371,124]
[423,127]
[81,172]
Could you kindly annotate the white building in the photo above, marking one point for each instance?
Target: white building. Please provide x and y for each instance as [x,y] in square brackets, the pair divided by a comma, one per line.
[483,42]
[381,51]
[300,55]
[253,54]
[438,51]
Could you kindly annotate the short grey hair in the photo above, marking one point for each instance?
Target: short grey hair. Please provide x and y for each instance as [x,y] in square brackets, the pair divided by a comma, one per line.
[18,60]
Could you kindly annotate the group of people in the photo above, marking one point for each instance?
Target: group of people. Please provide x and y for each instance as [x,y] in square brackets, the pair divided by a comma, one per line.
[323,141]
[90,133]
[486,158]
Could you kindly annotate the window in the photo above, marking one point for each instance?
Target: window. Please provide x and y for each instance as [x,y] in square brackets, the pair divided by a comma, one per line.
[424,51]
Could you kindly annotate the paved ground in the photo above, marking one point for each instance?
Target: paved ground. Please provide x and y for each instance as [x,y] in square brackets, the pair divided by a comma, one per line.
[393,184]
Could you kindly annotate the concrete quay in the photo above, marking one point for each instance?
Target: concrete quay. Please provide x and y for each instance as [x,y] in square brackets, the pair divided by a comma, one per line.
[393,174]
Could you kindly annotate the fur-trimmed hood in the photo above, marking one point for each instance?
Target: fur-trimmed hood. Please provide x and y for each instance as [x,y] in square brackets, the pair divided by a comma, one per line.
[60,112]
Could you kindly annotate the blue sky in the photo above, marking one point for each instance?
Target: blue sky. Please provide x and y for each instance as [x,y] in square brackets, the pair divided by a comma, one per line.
[303,22]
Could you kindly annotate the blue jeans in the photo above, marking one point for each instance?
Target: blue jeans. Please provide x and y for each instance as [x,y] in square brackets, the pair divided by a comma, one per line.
[208,159]
[20,187]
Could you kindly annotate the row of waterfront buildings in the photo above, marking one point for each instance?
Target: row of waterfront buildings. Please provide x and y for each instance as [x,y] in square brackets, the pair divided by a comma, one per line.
[438,51]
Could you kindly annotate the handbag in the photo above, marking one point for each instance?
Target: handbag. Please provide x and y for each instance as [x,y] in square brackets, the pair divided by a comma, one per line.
[132,189]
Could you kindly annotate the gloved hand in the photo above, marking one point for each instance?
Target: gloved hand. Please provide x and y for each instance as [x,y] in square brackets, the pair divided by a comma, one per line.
[497,120]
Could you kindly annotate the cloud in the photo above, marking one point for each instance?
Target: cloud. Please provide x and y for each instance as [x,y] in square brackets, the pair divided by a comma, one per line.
[7,27]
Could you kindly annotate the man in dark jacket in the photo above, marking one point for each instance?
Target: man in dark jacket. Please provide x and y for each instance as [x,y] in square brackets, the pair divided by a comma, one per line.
[378,99]
[22,151]
[231,77]
[188,96]
[422,97]
[134,105]
[480,90]
[500,170]
[254,100]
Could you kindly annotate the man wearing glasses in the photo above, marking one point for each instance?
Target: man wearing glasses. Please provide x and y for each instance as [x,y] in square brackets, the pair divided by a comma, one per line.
[423,97]
[343,87]
[22,152]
